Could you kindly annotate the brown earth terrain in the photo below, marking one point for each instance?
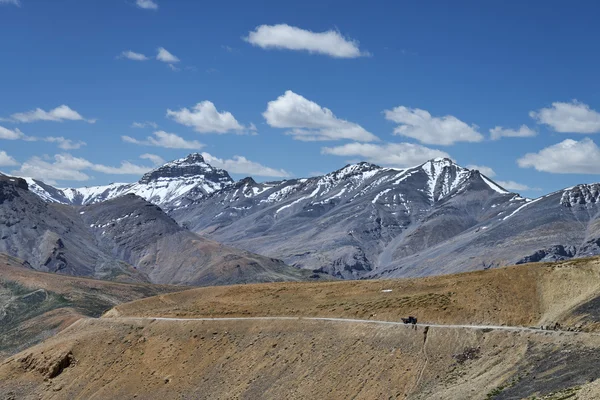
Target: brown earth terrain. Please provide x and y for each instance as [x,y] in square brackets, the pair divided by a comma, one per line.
[36,305]
[130,354]
[524,295]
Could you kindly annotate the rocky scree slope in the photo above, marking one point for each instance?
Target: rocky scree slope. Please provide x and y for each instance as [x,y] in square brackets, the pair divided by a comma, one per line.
[365,221]
[126,238]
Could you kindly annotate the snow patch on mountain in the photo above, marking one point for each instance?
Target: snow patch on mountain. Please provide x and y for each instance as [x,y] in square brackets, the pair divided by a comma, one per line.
[493,186]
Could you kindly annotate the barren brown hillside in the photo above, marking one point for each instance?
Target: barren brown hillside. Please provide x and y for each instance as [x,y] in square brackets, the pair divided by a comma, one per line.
[524,295]
[130,354]
[35,305]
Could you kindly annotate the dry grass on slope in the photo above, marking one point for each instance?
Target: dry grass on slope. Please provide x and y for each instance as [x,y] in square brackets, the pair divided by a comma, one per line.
[35,305]
[524,295]
[294,359]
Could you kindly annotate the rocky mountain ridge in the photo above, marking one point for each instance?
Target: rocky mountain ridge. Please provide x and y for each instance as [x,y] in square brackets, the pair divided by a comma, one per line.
[126,239]
[190,177]
[368,221]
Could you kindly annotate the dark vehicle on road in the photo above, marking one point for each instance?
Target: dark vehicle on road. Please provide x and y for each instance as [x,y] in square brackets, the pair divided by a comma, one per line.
[410,320]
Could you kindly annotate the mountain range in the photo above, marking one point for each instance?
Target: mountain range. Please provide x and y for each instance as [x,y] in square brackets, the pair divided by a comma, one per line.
[363,221]
[125,238]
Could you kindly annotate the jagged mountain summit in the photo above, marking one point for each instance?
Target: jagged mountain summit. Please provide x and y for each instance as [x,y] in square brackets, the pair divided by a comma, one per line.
[364,220]
[190,177]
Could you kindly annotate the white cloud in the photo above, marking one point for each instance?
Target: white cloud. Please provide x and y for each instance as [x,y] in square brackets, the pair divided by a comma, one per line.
[156,160]
[65,167]
[241,165]
[6,160]
[523,131]
[174,68]
[65,144]
[59,114]
[166,140]
[487,171]
[11,2]
[390,154]
[16,134]
[311,122]
[147,4]
[205,118]
[126,168]
[573,117]
[147,124]
[10,134]
[164,56]
[566,157]
[419,124]
[131,55]
[284,36]
[512,185]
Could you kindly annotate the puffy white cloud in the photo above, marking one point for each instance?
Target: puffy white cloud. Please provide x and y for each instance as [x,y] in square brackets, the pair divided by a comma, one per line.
[59,114]
[156,160]
[131,55]
[166,140]
[65,144]
[512,185]
[523,131]
[390,154]
[147,4]
[566,157]
[205,118]
[487,171]
[65,167]
[164,56]
[284,36]
[421,125]
[241,165]
[6,160]
[573,117]
[146,124]
[311,122]
[126,168]
[10,134]
[11,2]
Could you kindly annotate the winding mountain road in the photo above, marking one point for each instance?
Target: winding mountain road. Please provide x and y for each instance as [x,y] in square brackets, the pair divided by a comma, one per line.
[358,321]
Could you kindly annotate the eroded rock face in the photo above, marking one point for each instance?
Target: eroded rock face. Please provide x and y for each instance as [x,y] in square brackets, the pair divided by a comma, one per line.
[553,253]
[581,195]
[127,238]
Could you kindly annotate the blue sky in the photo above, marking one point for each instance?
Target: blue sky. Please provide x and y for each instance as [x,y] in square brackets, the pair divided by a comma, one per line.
[274,89]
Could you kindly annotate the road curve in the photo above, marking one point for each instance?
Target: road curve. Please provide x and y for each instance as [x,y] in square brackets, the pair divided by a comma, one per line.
[358,321]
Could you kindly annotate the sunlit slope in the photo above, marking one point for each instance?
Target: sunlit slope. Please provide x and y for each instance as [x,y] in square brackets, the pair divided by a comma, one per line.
[35,305]
[524,295]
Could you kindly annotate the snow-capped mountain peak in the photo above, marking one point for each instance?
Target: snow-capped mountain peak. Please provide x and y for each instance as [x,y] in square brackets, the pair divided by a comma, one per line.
[443,177]
[192,166]
[178,181]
